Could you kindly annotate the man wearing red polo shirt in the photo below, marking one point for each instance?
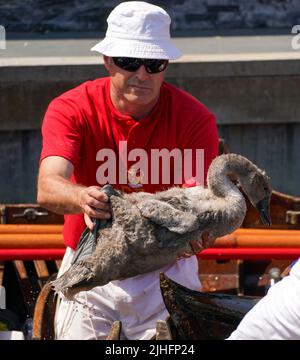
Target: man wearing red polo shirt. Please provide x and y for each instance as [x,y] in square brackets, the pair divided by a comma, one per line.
[95,134]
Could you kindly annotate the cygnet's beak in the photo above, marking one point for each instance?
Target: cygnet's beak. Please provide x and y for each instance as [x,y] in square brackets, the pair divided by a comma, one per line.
[263,207]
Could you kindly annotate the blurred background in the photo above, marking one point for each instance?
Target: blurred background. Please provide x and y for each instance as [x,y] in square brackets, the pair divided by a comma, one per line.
[238,60]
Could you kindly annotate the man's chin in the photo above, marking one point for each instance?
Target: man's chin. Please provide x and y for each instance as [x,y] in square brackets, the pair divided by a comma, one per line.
[139,99]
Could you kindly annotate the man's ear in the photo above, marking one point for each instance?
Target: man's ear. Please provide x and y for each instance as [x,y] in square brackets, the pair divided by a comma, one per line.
[107,62]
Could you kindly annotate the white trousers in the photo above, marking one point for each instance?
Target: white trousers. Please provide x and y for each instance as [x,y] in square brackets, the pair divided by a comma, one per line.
[136,301]
[277,315]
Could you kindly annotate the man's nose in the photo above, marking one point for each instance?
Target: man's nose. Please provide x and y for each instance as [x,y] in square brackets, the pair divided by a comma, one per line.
[141,73]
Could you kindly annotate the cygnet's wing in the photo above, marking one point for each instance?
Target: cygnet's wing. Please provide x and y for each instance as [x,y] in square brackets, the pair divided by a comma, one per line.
[165,215]
[88,240]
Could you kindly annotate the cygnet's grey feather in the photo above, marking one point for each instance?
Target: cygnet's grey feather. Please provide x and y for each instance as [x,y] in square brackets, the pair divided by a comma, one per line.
[86,246]
[149,231]
[166,215]
[88,240]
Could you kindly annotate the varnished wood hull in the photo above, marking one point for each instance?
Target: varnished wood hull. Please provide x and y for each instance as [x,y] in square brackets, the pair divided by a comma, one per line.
[203,316]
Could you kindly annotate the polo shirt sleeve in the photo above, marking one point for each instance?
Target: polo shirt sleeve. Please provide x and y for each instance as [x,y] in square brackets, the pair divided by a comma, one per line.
[62,131]
[202,133]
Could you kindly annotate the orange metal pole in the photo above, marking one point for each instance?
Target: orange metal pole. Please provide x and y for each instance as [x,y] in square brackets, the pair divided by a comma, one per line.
[30,229]
[260,239]
[26,241]
[50,236]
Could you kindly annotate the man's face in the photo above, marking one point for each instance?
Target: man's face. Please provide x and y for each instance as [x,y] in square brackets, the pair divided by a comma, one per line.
[138,88]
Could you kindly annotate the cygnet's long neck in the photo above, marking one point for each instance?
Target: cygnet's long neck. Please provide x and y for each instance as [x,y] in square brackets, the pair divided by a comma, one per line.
[218,175]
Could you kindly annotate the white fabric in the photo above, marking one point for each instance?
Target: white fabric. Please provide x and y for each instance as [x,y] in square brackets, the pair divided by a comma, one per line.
[138,29]
[277,315]
[136,301]
[11,335]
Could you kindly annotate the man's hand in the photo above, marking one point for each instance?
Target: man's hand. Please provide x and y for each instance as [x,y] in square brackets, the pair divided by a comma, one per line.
[197,246]
[94,204]
[57,193]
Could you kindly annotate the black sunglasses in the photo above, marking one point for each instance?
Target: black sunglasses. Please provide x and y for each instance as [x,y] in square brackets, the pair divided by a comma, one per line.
[152,66]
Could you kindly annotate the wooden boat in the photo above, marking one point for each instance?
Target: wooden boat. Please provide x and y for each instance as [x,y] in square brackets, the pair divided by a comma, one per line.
[31,249]
[203,316]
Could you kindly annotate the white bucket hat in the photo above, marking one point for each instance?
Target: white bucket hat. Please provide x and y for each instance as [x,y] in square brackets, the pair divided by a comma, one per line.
[140,30]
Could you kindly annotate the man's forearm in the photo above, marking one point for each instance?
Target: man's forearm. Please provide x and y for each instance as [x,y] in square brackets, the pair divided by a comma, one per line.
[59,195]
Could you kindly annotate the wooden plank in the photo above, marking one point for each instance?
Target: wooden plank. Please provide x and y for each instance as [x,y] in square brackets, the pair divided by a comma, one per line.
[29,286]
[218,282]
[219,275]
[30,229]
[21,271]
[41,269]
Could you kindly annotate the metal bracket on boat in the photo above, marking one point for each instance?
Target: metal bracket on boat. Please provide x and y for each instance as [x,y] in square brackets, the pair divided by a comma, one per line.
[30,214]
[292,217]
